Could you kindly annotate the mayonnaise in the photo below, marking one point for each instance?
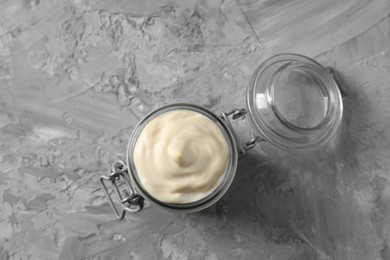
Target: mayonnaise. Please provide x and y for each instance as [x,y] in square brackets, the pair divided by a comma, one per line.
[181,156]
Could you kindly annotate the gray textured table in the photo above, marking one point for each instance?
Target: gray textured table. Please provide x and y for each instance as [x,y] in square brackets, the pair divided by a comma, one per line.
[76,76]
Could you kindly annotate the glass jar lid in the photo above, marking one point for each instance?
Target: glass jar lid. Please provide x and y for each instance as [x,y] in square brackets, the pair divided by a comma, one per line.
[294,103]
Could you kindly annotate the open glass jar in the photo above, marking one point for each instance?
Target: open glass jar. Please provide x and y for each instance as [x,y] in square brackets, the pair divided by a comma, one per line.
[293,103]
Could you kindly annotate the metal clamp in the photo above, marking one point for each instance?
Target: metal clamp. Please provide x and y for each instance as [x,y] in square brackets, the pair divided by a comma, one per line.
[130,200]
[239,113]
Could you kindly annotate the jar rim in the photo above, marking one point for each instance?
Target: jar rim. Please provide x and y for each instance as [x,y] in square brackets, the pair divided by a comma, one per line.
[270,124]
[223,185]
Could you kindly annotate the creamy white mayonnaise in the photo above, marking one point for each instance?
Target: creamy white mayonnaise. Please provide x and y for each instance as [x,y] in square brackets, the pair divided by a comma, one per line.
[181,156]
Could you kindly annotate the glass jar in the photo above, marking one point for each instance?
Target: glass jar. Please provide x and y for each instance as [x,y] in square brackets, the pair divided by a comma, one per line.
[293,103]
[227,177]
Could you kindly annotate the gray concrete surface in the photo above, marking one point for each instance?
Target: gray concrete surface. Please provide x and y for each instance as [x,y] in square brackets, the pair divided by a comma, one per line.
[76,76]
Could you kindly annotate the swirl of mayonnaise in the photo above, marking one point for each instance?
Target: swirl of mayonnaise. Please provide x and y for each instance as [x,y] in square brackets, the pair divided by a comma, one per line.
[180,156]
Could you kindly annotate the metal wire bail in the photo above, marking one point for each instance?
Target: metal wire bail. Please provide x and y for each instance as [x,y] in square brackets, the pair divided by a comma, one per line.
[129,199]
[239,113]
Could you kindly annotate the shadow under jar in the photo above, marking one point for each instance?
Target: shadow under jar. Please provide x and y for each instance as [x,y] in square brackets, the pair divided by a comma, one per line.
[293,103]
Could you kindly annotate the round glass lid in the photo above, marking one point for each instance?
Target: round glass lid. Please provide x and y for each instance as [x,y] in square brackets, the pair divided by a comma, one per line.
[294,103]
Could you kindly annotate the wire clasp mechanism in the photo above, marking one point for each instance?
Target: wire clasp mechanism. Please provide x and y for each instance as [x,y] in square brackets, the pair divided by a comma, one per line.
[129,199]
[239,113]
